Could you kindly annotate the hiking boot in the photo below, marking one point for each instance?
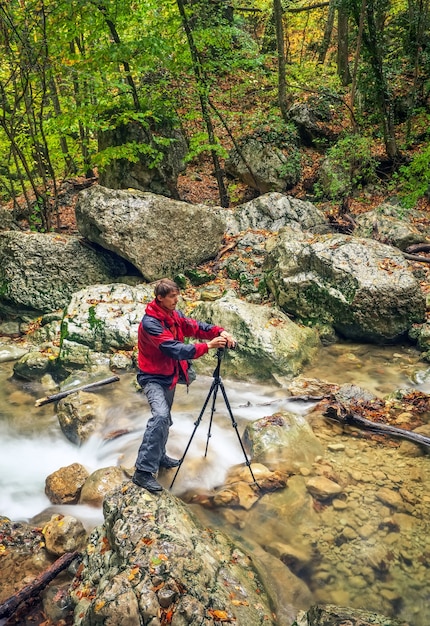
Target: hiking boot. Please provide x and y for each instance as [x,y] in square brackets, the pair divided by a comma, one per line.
[168,463]
[147,481]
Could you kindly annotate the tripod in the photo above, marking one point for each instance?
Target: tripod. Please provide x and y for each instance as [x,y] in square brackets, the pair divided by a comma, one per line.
[216,384]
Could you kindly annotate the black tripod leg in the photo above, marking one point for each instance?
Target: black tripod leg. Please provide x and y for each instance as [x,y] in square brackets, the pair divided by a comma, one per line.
[196,425]
[234,424]
[215,390]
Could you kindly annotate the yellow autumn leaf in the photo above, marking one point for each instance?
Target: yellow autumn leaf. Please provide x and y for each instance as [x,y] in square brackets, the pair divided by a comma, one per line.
[99,605]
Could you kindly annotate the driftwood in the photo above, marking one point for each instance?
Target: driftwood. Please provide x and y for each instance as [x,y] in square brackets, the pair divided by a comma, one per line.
[416,257]
[33,589]
[64,394]
[350,418]
[418,247]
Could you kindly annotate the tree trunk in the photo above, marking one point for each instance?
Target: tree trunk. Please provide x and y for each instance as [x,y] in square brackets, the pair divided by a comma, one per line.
[327,32]
[384,99]
[280,45]
[342,46]
[204,103]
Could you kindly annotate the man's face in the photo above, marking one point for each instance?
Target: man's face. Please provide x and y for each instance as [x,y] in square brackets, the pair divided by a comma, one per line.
[170,301]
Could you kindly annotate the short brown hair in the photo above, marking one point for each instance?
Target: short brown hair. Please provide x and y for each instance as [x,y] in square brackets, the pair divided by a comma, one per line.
[164,287]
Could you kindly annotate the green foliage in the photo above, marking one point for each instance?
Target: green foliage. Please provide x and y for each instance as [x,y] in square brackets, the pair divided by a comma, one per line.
[413,180]
[349,165]
[130,151]
[199,144]
[276,132]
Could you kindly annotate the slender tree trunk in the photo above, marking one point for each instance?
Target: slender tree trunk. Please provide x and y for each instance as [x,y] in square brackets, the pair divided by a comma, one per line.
[356,59]
[83,132]
[116,38]
[327,31]
[204,103]
[383,96]
[70,164]
[343,46]
[280,45]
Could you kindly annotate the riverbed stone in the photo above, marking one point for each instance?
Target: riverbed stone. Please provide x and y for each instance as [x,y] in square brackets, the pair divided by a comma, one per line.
[329,615]
[64,485]
[64,533]
[323,488]
[152,542]
[79,415]
[35,364]
[100,483]
[282,441]
[11,352]
[390,497]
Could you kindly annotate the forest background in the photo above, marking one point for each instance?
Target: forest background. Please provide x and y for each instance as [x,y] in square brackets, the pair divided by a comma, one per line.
[219,71]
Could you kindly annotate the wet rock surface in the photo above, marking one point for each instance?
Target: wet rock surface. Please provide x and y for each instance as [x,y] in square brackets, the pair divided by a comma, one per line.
[152,558]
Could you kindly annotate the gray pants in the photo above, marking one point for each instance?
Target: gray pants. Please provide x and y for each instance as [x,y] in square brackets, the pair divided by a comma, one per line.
[153,446]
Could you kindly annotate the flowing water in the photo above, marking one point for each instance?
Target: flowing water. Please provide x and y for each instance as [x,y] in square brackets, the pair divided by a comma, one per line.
[358,554]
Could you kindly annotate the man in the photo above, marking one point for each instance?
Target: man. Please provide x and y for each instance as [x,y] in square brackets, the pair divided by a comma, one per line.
[163,361]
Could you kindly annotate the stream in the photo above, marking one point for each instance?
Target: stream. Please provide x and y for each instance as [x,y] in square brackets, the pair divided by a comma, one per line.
[365,550]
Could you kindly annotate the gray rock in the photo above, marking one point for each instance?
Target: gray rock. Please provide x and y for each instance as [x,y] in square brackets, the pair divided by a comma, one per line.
[140,173]
[105,317]
[272,211]
[266,167]
[11,352]
[282,441]
[387,229]
[363,288]
[152,542]
[33,365]
[270,345]
[41,271]
[329,615]
[157,235]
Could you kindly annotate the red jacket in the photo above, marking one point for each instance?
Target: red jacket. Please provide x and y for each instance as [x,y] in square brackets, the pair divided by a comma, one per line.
[162,352]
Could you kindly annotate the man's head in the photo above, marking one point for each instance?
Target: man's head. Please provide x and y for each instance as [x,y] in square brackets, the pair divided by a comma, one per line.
[167,294]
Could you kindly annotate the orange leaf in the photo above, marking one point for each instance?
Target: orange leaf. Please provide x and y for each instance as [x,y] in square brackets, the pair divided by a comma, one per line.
[219,616]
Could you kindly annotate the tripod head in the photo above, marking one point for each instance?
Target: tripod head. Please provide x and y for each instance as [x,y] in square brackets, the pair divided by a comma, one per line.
[221,351]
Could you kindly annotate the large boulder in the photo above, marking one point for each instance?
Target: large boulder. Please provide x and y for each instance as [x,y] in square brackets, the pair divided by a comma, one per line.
[263,166]
[152,562]
[270,345]
[40,272]
[158,175]
[105,317]
[381,224]
[274,210]
[157,235]
[363,288]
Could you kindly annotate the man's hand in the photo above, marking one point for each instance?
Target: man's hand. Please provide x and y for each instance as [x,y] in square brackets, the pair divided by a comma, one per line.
[217,342]
[231,341]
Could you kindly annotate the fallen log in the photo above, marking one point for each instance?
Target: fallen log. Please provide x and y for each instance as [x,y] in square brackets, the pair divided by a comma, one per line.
[33,589]
[64,394]
[416,257]
[354,419]
[418,247]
